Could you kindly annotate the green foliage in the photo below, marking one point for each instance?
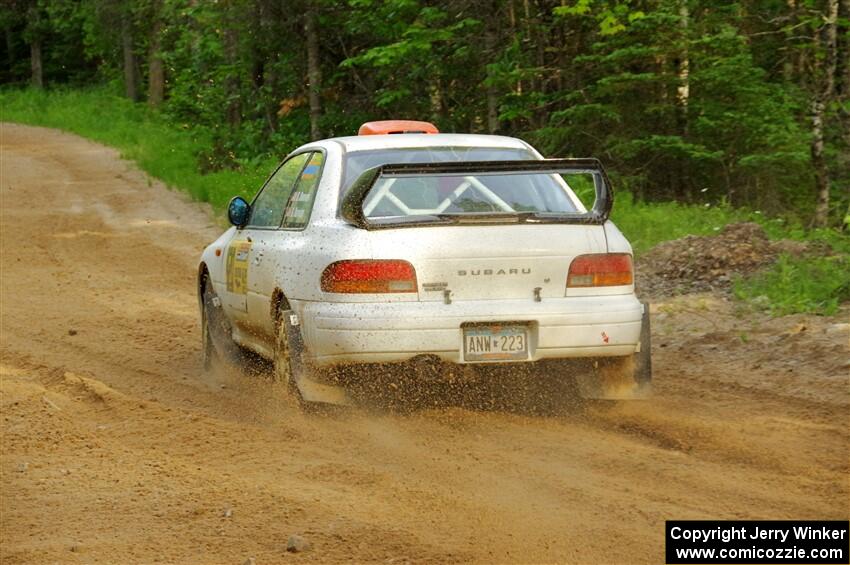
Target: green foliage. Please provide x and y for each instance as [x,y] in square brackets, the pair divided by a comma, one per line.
[410,63]
[59,26]
[731,136]
[799,285]
[612,17]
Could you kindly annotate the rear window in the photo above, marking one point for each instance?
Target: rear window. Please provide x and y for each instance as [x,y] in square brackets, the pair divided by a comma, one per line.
[479,192]
[358,162]
[482,193]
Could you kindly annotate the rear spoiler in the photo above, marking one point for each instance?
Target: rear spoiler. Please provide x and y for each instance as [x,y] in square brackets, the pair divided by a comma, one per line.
[351,208]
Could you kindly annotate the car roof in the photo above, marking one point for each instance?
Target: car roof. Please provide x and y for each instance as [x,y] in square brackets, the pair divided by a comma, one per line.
[421,140]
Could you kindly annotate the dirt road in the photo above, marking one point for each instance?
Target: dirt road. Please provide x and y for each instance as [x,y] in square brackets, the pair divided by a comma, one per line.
[117,448]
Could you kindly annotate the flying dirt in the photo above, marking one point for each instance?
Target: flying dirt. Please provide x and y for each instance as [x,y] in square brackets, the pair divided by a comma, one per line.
[117,447]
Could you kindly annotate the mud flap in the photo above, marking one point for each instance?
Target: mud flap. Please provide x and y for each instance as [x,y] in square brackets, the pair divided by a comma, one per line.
[310,390]
[643,358]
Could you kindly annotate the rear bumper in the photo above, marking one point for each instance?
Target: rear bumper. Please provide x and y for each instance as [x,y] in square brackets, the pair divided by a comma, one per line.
[603,326]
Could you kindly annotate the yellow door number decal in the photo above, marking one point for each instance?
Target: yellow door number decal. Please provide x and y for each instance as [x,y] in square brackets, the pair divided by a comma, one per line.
[237,267]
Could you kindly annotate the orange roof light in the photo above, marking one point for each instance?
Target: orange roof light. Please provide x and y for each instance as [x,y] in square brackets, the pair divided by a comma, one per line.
[396,126]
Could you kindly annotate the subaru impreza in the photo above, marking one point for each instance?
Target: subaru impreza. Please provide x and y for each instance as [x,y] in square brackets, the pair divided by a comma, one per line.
[403,245]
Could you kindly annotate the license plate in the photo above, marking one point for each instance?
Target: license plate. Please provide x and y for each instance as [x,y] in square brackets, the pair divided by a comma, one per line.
[495,343]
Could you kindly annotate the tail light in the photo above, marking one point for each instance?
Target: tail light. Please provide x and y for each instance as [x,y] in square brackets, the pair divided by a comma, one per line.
[600,269]
[367,276]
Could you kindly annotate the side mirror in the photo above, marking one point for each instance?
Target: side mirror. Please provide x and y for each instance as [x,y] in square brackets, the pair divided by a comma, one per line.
[238,211]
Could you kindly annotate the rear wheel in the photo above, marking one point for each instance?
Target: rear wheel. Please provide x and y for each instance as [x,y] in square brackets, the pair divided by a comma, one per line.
[609,378]
[620,378]
[613,378]
[282,363]
[300,378]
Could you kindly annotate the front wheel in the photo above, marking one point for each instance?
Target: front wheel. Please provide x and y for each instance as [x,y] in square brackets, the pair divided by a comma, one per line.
[217,342]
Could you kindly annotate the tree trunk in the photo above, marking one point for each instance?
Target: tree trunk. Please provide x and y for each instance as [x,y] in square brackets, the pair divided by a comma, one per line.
[35,48]
[492,110]
[819,163]
[10,49]
[843,93]
[845,51]
[532,42]
[819,104]
[271,116]
[435,98]
[727,178]
[156,69]
[788,70]
[490,43]
[516,34]
[234,103]
[314,72]
[683,96]
[683,90]
[541,45]
[131,85]
[35,60]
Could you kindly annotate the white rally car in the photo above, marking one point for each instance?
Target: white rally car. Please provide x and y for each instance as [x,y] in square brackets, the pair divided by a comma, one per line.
[421,246]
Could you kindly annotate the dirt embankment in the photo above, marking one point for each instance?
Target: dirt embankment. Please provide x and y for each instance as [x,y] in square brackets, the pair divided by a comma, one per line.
[705,263]
[117,448]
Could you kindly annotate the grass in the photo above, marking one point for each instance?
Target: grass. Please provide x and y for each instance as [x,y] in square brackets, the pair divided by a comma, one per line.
[648,224]
[170,152]
[792,285]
